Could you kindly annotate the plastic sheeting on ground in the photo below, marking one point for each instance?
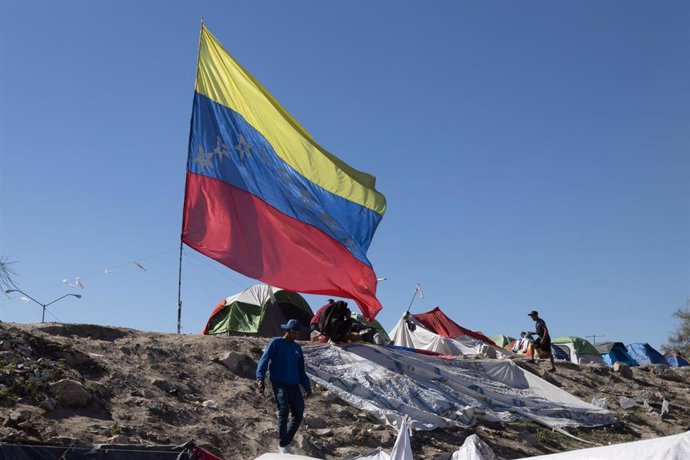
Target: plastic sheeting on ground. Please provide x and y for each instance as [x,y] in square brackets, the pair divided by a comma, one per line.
[436,392]
[474,449]
[676,447]
[188,451]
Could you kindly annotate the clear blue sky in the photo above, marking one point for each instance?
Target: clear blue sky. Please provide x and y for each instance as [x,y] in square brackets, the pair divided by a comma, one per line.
[533,154]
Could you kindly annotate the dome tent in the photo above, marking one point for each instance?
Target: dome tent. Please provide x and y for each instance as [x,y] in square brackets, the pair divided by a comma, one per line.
[615,352]
[644,353]
[579,350]
[259,310]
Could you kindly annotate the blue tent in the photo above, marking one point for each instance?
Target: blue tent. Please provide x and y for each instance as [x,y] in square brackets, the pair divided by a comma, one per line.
[644,353]
[677,361]
[615,352]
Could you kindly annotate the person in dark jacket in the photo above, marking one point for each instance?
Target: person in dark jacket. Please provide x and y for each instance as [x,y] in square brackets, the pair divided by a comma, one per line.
[284,359]
[543,343]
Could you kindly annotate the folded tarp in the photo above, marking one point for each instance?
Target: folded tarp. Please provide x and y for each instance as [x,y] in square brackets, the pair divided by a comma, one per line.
[436,392]
[676,447]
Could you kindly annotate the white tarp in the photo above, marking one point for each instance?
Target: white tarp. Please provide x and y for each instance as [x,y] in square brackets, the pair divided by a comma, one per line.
[402,450]
[424,339]
[474,449]
[676,447]
[436,392]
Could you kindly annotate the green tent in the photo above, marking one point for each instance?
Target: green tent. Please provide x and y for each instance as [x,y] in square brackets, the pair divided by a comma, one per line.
[579,350]
[373,325]
[259,310]
[502,341]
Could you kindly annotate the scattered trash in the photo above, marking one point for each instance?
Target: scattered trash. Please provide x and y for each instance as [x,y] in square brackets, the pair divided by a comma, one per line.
[646,406]
[599,402]
[664,407]
[211,404]
[626,403]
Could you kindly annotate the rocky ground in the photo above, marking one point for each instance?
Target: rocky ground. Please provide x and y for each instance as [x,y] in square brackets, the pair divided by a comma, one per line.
[67,383]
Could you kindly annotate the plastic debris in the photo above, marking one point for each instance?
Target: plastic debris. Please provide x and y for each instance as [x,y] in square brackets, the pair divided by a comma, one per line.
[211,404]
[664,407]
[599,402]
[646,406]
[626,403]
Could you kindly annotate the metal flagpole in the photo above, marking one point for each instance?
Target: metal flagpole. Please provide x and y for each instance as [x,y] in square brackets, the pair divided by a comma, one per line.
[179,280]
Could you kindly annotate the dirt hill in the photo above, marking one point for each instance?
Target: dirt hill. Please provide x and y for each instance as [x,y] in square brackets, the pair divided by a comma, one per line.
[74,383]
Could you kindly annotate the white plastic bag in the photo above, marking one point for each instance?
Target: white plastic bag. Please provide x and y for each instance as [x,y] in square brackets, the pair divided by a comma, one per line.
[599,402]
[646,406]
[626,403]
[664,407]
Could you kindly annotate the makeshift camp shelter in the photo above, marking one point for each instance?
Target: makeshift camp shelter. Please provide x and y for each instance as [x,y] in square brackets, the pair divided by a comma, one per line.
[677,361]
[259,310]
[615,352]
[579,350]
[437,321]
[644,353]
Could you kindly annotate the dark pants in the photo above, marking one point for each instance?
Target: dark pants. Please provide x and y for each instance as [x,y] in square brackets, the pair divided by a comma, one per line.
[289,399]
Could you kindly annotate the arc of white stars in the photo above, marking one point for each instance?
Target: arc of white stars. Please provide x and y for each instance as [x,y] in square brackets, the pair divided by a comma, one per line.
[244,148]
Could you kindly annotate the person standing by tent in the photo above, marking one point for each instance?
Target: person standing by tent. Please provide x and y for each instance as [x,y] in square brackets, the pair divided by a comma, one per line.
[543,343]
[284,359]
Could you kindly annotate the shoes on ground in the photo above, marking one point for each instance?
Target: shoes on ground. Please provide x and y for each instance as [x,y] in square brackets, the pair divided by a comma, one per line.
[284,450]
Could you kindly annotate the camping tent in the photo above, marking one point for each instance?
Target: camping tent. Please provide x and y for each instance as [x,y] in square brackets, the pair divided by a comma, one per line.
[437,322]
[559,353]
[615,352]
[643,353]
[503,341]
[677,361]
[373,325]
[259,310]
[579,350]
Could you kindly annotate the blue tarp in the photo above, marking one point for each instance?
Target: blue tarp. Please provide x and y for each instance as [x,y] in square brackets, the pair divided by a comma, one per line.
[644,353]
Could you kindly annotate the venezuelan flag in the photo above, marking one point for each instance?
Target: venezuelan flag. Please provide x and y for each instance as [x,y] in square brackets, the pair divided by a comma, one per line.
[264,199]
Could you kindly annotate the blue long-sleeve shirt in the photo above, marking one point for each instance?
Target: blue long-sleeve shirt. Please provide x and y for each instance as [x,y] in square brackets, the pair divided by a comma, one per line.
[286,363]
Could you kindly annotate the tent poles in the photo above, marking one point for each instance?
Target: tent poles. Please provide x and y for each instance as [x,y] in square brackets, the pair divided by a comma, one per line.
[416,290]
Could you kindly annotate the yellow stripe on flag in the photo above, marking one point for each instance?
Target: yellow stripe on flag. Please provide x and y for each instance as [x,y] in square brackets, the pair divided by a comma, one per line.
[224,81]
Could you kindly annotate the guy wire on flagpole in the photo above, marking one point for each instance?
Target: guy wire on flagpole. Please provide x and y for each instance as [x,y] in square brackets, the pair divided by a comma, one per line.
[179,280]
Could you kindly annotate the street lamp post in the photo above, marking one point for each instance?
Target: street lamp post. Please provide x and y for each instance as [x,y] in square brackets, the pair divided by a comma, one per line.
[43,305]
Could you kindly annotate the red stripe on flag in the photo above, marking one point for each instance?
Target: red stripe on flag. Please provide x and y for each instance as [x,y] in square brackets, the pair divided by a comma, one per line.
[247,235]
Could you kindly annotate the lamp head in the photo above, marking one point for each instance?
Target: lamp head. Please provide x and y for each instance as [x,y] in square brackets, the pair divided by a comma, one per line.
[78,296]
[7,291]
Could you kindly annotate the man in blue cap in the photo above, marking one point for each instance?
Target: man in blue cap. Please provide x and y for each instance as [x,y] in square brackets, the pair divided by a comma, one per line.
[287,373]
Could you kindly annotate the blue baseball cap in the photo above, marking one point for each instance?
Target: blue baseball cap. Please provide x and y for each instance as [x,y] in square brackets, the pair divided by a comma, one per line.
[292,325]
